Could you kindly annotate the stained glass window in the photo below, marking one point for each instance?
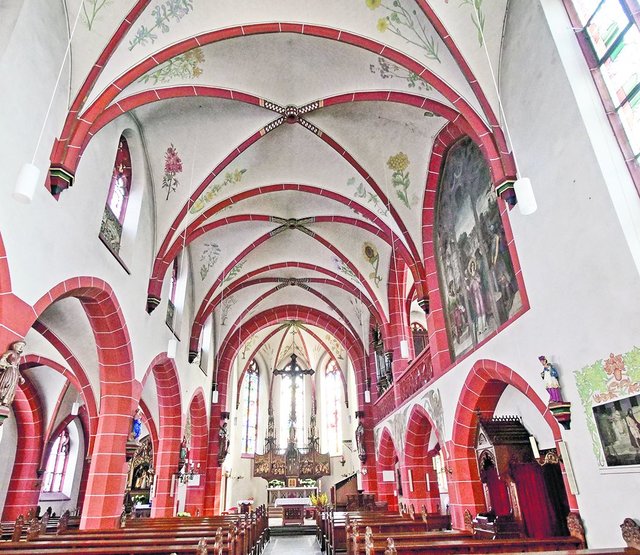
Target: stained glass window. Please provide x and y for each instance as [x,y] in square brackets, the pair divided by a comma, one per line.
[249,401]
[332,399]
[285,410]
[57,464]
[441,473]
[119,188]
[614,38]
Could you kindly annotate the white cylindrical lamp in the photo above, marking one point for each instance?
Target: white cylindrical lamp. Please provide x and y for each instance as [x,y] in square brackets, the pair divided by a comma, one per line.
[524,193]
[26,184]
[172,348]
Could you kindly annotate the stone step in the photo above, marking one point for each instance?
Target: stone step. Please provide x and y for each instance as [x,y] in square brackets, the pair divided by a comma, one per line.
[293,530]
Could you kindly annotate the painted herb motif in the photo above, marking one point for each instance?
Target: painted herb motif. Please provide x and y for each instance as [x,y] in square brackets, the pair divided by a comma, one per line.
[389,70]
[90,11]
[213,189]
[345,270]
[362,193]
[209,257]
[234,271]
[172,167]
[184,66]
[226,307]
[398,164]
[163,13]
[372,257]
[406,25]
[248,346]
[335,346]
[477,16]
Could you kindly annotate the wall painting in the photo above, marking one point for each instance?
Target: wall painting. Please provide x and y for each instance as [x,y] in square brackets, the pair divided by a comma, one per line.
[477,280]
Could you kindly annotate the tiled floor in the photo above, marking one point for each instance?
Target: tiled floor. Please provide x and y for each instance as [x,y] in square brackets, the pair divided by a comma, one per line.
[298,545]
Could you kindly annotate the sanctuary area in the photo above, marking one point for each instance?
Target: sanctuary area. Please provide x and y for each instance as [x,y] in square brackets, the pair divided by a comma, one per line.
[351,276]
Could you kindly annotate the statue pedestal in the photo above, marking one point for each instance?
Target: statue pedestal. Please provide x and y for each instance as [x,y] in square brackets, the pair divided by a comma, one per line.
[4,414]
[562,413]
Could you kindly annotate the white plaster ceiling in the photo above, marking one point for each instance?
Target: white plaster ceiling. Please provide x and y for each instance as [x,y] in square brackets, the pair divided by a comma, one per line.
[343,152]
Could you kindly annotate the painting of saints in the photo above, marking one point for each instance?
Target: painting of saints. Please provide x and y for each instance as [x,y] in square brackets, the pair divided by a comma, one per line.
[477,279]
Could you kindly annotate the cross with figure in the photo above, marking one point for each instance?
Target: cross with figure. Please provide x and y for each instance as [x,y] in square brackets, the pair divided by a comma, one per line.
[293,370]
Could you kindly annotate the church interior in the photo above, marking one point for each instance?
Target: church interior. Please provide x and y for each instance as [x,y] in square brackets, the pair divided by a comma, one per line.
[323,277]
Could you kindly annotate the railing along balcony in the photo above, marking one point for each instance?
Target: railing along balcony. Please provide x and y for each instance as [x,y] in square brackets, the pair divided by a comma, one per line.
[417,375]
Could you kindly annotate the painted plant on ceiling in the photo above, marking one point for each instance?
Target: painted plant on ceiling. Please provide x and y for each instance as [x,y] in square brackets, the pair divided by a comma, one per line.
[91,10]
[163,14]
[398,164]
[172,167]
[212,191]
[371,255]
[405,24]
[477,16]
[209,257]
[389,70]
[362,192]
[477,280]
[234,271]
[184,66]
[227,304]
[344,269]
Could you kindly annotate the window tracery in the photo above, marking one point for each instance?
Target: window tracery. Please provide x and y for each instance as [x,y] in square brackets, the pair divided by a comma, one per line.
[55,471]
[249,400]
[333,397]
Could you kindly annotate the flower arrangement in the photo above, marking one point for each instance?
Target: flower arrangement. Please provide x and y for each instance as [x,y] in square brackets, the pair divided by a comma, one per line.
[183,514]
[320,501]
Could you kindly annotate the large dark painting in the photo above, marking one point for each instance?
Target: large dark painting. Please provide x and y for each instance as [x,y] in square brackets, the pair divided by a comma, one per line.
[477,282]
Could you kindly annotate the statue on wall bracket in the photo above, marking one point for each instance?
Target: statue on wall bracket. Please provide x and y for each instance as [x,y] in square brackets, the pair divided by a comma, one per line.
[360,447]
[10,378]
[560,409]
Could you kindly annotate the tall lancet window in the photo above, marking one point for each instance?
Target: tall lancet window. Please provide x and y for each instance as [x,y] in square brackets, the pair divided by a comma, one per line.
[249,403]
[56,468]
[285,410]
[332,400]
[116,207]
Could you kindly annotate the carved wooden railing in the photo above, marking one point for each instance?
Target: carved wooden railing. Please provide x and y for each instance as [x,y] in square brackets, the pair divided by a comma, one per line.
[384,405]
[418,374]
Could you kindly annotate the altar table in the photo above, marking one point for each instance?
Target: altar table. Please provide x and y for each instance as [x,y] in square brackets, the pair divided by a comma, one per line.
[293,509]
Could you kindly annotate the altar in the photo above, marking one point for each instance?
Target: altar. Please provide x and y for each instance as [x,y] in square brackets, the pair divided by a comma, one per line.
[293,509]
[273,494]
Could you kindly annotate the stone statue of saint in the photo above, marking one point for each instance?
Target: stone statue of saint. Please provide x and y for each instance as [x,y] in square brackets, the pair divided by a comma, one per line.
[223,436]
[362,452]
[10,377]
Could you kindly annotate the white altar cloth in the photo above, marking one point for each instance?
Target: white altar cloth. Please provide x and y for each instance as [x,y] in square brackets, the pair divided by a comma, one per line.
[283,501]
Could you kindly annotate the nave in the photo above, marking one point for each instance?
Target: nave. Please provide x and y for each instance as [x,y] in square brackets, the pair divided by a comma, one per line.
[319,264]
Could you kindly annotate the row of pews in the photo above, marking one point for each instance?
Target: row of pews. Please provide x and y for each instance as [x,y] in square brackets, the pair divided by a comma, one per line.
[384,533]
[34,524]
[221,535]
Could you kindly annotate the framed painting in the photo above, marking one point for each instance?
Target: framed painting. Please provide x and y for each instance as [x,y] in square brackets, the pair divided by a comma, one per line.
[618,425]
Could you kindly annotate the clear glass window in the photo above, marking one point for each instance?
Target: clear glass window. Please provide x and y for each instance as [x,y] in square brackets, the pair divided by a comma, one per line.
[249,400]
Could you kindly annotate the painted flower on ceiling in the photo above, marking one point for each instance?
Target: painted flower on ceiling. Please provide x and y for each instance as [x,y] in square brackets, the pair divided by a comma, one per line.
[172,167]
[205,198]
[163,13]
[398,164]
[614,366]
[185,66]
[406,24]
[373,258]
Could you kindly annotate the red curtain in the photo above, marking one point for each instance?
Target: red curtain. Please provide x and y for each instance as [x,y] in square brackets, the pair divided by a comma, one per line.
[497,492]
[537,512]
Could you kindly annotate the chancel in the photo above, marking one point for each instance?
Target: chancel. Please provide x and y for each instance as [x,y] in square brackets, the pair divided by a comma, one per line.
[344,276]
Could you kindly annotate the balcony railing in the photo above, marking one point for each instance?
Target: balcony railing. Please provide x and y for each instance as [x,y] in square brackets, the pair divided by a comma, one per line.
[417,375]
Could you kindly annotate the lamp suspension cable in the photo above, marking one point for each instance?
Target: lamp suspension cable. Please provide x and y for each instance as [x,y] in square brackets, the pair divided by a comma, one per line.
[29,173]
[522,187]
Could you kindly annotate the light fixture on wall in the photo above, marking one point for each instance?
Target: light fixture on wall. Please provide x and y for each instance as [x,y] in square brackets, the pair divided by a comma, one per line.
[522,186]
[214,394]
[29,175]
[172,348]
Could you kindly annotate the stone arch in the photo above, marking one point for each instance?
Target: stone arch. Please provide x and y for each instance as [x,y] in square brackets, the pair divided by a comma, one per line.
[24,487]
[418,459]
[166,458]
[199,437]
[386,462]
[480,394]
[103,499]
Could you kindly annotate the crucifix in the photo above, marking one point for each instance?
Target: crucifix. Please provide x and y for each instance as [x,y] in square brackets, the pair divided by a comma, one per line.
[293,370]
